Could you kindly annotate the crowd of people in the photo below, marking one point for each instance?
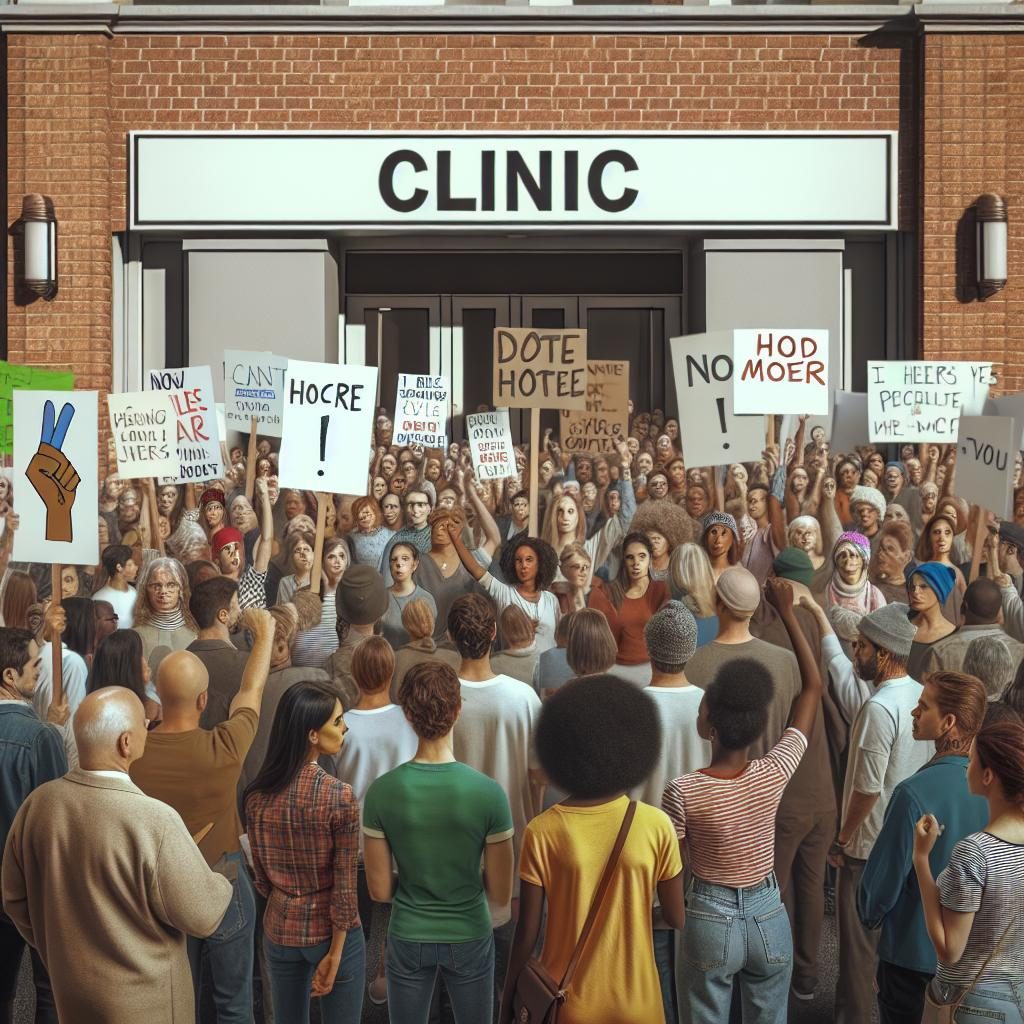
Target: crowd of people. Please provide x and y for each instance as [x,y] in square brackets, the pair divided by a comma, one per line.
[630,756]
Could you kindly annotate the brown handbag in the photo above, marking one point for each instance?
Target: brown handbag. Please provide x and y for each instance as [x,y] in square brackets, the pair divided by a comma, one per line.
[538,997]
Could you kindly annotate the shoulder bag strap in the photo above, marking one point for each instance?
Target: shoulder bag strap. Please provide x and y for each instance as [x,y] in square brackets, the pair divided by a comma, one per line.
[981,970]
[602,890]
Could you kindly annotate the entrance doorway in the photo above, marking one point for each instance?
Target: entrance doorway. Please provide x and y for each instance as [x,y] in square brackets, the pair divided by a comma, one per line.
[452,335]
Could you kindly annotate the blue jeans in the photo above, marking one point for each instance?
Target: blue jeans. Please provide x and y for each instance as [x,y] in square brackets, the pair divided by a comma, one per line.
[735,934]
[291,975]
[664,958]
[228,953]
[992,1003]
[467,969]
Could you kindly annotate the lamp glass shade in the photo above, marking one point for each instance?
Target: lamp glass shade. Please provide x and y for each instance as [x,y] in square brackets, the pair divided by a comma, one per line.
[992,238]
[38,250]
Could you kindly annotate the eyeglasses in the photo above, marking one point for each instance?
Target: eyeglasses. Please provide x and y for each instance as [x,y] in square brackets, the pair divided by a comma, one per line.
[164,586]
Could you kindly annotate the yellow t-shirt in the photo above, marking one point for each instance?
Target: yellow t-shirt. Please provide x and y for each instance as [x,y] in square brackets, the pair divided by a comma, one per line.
[565,851]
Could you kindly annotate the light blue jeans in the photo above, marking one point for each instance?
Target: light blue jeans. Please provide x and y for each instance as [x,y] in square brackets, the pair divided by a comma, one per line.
[992,1003]
[735,934]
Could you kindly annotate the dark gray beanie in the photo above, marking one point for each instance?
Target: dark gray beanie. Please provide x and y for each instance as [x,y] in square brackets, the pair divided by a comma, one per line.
[889,628]
[671,634]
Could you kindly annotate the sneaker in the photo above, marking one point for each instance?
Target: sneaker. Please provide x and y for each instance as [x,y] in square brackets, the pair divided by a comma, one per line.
[378,991]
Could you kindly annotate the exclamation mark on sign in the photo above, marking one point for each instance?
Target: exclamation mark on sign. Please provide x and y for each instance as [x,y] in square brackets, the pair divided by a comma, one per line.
[323,442]
[720,402]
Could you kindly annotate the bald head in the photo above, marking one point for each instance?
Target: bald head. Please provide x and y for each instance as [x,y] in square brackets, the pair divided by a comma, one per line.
[110,729]
[181,680]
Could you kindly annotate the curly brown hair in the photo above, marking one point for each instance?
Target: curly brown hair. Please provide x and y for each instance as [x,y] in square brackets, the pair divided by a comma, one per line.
[431,698]
[665,517]
[472,620]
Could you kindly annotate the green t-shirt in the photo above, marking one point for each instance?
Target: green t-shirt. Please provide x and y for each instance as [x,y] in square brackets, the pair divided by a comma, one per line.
[437,819]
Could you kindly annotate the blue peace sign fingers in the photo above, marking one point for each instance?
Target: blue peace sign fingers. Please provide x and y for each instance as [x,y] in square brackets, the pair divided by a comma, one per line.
[55,429]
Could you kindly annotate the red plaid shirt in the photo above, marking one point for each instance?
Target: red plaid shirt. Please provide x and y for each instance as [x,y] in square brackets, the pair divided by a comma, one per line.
[305,842]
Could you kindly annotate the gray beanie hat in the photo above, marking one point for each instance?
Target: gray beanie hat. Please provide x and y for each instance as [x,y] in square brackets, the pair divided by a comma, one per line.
[889,628]
[868,496]
[671,634]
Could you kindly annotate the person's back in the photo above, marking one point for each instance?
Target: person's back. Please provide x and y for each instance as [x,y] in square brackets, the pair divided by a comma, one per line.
[377,741]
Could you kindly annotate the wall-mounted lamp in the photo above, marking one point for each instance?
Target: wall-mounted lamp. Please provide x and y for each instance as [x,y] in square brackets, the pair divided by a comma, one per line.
[40,239]
[991,220]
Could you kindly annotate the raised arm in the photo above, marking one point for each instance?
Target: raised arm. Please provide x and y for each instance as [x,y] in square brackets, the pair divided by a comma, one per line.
[265,544]
[492,537]
[805,707]
[254,678]
[777,522]
[472,566]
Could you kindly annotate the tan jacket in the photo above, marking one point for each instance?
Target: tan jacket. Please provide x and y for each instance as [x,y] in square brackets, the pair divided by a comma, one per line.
[105,883]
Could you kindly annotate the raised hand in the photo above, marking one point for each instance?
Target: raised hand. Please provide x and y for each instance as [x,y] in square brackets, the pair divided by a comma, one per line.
[51,474]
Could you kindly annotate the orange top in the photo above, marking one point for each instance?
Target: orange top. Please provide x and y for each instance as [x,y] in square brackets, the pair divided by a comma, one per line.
[627,622]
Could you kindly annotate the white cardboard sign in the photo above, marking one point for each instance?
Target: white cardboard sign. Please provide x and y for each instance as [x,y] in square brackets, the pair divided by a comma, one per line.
[849,421]
[56,476]
[421,410]
[490,443]
[198,439]
[144,427]
[1011,405]
[781,370]
[922,401]
[712,433]
[985,453]
[328,426]
[253,386]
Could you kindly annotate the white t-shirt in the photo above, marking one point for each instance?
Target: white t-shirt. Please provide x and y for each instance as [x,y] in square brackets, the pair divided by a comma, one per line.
[682,750]
[494,735]
[123,603]
[545,612]
[74,673]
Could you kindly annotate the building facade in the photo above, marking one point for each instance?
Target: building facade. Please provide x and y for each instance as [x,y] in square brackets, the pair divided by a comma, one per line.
[387,184]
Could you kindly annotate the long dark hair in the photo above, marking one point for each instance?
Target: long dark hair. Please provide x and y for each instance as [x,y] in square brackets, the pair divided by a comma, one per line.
[118,662]
[304,707]
[80,635]
[616,590]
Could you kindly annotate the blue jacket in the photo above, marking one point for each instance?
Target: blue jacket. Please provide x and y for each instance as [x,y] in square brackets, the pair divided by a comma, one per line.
[31,753]
[889,896]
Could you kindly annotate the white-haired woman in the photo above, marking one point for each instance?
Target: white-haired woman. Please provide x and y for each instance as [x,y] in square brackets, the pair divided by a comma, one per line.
[162,618]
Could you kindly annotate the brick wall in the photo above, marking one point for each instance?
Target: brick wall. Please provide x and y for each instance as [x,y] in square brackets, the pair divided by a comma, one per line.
[73,98]
[973,142]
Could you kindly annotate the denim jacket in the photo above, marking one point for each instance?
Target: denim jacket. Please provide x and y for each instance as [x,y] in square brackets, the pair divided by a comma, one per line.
[31,753]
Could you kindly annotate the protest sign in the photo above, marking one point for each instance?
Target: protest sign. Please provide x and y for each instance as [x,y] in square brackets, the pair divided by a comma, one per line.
[540,369]
[920,401]
[712,433]
[253,385]
[985,450]
[56,473]
[26,378]
[421,411]
[849,421]
[198,441]
[490,443]
[328,426]
[606,417]
[144,427]
[1010,405]
[781,371]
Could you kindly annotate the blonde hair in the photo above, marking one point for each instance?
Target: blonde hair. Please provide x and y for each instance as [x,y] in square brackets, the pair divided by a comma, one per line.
[418,620]
[689,571]
[517,628]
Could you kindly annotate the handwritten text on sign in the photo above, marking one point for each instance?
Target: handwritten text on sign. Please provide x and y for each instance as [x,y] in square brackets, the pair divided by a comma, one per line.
[781,371]
[253,387]
[191,392]
[985,451]
[606,418]
[712,434]
[144,428]
[328,422]
[490,444]
[421,411]
[923,401]
[540,369]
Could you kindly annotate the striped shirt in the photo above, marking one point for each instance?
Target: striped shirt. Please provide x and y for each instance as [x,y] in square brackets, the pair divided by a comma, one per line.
[729,824]
[984,877]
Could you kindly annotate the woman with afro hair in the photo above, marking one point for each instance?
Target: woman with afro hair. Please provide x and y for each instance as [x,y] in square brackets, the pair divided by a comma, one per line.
[738,928]
[597,738]
[666,526]
[533,564]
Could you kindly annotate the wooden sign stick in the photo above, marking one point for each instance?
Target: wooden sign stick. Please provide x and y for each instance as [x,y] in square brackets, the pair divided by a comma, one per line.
[202,833]
[318,545]
[534,469]
[158,541]
[250,462]
[770,434]
[980,532]
[56,649]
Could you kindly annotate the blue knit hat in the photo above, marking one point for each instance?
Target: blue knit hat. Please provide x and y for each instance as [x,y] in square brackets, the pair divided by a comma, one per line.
[939,577]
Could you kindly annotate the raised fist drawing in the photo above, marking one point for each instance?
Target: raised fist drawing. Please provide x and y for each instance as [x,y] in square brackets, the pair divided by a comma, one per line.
[51,474]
